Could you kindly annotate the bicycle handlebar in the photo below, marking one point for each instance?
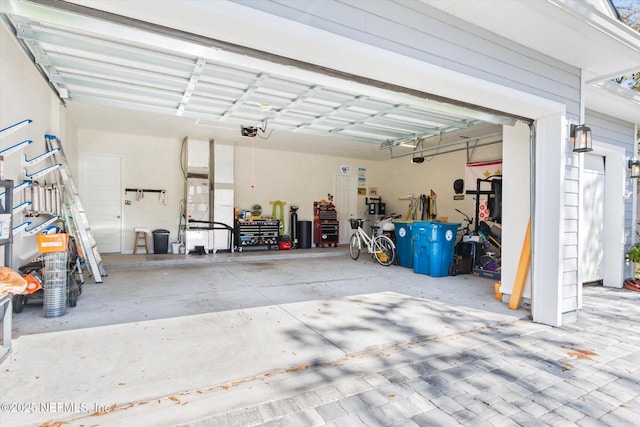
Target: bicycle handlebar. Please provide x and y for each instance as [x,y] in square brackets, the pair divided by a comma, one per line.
[469,220]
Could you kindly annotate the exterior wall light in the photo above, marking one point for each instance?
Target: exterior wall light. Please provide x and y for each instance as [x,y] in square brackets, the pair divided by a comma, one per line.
[634,167]
[580,136]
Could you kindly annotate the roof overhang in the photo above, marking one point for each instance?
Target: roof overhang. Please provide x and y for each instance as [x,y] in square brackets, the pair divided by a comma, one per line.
[599,44]
[614,100]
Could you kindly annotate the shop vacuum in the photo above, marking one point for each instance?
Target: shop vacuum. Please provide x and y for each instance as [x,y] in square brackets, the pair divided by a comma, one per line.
[285,241]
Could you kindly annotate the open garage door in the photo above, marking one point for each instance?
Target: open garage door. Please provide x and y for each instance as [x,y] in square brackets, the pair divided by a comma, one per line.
[122,62]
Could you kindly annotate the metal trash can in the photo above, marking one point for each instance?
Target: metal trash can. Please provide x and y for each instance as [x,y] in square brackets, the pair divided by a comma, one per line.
[55,284]
[304,234]
[434,244]
[54,246]
[160,241]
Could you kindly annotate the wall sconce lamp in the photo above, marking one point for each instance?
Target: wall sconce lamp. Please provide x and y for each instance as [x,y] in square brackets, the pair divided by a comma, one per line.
[580,136]
[634,166]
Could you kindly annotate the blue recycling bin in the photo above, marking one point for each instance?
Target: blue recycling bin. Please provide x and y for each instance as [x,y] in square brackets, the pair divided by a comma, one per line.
[404,243]
[433,247]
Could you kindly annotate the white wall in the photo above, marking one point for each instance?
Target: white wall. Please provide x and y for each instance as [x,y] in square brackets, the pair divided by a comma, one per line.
[148,162]
[25,95]
[400,178]
[296,178]
[153,162]
[549,222]
[516,206]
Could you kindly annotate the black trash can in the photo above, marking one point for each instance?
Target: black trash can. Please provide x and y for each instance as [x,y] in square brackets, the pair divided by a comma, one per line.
[160,241]
[304,234]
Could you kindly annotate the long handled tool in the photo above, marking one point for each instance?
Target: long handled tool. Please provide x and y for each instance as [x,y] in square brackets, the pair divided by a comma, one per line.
[523,269]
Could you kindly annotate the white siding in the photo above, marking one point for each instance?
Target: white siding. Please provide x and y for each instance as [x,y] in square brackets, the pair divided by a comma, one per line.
[570,237]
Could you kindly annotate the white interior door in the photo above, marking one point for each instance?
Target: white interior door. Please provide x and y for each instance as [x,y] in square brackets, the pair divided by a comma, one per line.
[593,219]
[346,202]
[101,195]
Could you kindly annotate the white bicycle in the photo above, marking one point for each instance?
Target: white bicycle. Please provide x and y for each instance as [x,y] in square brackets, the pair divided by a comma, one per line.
[381,247]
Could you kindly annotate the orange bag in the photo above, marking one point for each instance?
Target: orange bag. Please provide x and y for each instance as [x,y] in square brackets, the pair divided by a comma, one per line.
[33,283]
[11,282]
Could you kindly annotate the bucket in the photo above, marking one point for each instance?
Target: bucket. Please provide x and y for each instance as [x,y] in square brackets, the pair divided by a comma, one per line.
[175,248]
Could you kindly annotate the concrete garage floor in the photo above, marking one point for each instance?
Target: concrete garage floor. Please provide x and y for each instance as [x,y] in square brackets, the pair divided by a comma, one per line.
[149,287]
[183,324]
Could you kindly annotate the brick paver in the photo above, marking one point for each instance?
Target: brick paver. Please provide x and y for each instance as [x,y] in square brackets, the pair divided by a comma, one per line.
[585,373]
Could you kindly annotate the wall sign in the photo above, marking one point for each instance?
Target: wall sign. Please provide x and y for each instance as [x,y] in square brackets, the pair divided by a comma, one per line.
[362,178]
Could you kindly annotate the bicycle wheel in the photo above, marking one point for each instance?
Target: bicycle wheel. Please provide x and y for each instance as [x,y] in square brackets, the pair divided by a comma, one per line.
[354,246]
[384,250]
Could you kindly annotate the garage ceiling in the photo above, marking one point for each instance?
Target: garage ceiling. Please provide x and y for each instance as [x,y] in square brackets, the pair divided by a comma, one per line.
[105,62]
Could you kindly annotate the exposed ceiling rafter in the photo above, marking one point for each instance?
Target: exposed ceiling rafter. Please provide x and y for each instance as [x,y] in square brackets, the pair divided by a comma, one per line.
[94,56]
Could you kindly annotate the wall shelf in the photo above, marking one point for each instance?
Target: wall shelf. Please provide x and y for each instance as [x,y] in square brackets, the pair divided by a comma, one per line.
[42,172]
[41,157]
[15,147]
[6,210]
[14,127]
[144,190]
[38,228]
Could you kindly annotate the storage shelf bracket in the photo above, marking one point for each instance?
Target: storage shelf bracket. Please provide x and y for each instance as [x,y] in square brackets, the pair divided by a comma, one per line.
[22,206]
[38,228]
[18,188]
[41,157]
[42,172]
[144,190]
[15,147]
[14,127]
[21,227]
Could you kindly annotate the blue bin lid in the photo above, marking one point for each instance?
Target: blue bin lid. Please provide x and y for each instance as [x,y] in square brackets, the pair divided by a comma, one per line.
[435,224]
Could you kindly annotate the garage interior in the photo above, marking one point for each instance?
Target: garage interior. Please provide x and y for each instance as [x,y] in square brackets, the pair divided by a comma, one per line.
[150,80]
[136,93]
[157,82]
